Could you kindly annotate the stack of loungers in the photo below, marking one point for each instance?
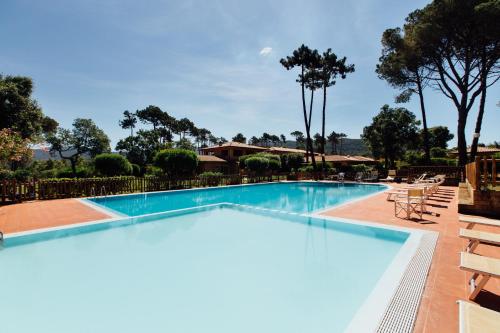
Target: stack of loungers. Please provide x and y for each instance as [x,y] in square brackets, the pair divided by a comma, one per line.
[474,318]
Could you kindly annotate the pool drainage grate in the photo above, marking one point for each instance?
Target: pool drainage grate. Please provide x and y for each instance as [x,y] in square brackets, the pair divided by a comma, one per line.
[402,311]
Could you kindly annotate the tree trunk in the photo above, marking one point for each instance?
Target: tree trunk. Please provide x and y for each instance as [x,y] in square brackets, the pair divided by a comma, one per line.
[461,141]
[73,166]
[482,102]
[427,152]
[305,116]
[311,148]
[323,130]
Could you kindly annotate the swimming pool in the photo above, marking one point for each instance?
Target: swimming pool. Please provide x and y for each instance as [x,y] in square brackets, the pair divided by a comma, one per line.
[254,258]
[221,268]
[298,197]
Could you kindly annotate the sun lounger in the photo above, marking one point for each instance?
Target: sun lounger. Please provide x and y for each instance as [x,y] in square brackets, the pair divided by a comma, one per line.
[391,175]
[472,221]
[476,237]
[473,318]
[480,266]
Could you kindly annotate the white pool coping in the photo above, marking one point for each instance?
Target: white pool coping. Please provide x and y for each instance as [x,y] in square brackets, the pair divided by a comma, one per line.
[375,309]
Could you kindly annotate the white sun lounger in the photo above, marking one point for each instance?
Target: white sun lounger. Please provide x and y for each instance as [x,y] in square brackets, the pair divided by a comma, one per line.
[476,237]
[473,318]
[472,221]
[484,267]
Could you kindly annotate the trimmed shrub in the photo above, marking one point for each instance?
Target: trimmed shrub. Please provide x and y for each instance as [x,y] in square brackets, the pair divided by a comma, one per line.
[22,175]
[52,173]
[274,165]
[443,161]
[81,172]
[257,164]
[209,178]
[110,165]
[176,162]
[291,161]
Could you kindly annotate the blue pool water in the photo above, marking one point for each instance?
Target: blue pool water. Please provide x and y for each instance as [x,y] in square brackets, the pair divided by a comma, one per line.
[219,269]
[299,197]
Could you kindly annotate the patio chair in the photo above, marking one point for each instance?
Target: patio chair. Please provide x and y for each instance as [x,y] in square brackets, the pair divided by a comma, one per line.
[473,318]
[359,176]
[435,179]
[476,237]
[411,202]
[472,221]
[484,267]
[341,177]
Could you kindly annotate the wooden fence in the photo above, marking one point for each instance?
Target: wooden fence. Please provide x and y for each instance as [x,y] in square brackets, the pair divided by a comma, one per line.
[483,171]
[12,191]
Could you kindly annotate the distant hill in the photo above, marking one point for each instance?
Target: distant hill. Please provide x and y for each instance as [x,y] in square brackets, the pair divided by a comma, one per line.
[349,147]
[43,155]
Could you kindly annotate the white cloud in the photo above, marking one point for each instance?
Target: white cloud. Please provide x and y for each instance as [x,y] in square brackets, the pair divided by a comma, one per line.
[266,51]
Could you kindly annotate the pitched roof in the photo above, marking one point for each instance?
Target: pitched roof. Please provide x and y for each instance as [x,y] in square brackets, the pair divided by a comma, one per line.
[285,150]
[347,158]
[480,150]
[210,158]
[235,145]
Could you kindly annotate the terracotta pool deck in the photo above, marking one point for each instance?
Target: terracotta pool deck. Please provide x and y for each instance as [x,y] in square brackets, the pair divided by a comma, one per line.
[445,285]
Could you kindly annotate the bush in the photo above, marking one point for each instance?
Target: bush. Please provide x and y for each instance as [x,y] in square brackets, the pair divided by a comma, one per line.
[257,164]
[209,178]
[52,173]
[360,168]
[438,152]
[6,174]
[413,157]
[81,172]
[176,162]
[110,165]
[136,170]
[291,162]
[443,161]
[22,175]
[274,165]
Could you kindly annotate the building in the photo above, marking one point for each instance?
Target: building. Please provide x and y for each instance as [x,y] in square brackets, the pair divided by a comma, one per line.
[212,164]
[231,151]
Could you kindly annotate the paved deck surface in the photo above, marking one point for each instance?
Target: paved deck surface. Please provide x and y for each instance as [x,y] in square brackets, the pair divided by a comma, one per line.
[44,214]
[446,283]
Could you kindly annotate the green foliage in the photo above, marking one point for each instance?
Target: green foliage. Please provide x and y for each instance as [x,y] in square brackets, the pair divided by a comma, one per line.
[439,137]
[136,170]
[360,168]
[81,172]
[239,138]
[210,178]
[19,111]
[391,132]
[443,161]
[110,165]
[291,161]
[22,175]
[141,148]
[6,174]
[84,138]
[176,162]
[438,152]
[257,164]
[413,157]
[274,165]
[185,144]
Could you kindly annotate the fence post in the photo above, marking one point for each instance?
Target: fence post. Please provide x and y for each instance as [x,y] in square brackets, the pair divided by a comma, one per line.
[493,171]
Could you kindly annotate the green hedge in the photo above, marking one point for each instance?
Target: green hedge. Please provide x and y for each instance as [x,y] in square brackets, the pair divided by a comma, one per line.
[112,165]
[176,162]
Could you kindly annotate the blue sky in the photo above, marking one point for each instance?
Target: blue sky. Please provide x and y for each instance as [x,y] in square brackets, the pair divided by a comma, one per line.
[215,62]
